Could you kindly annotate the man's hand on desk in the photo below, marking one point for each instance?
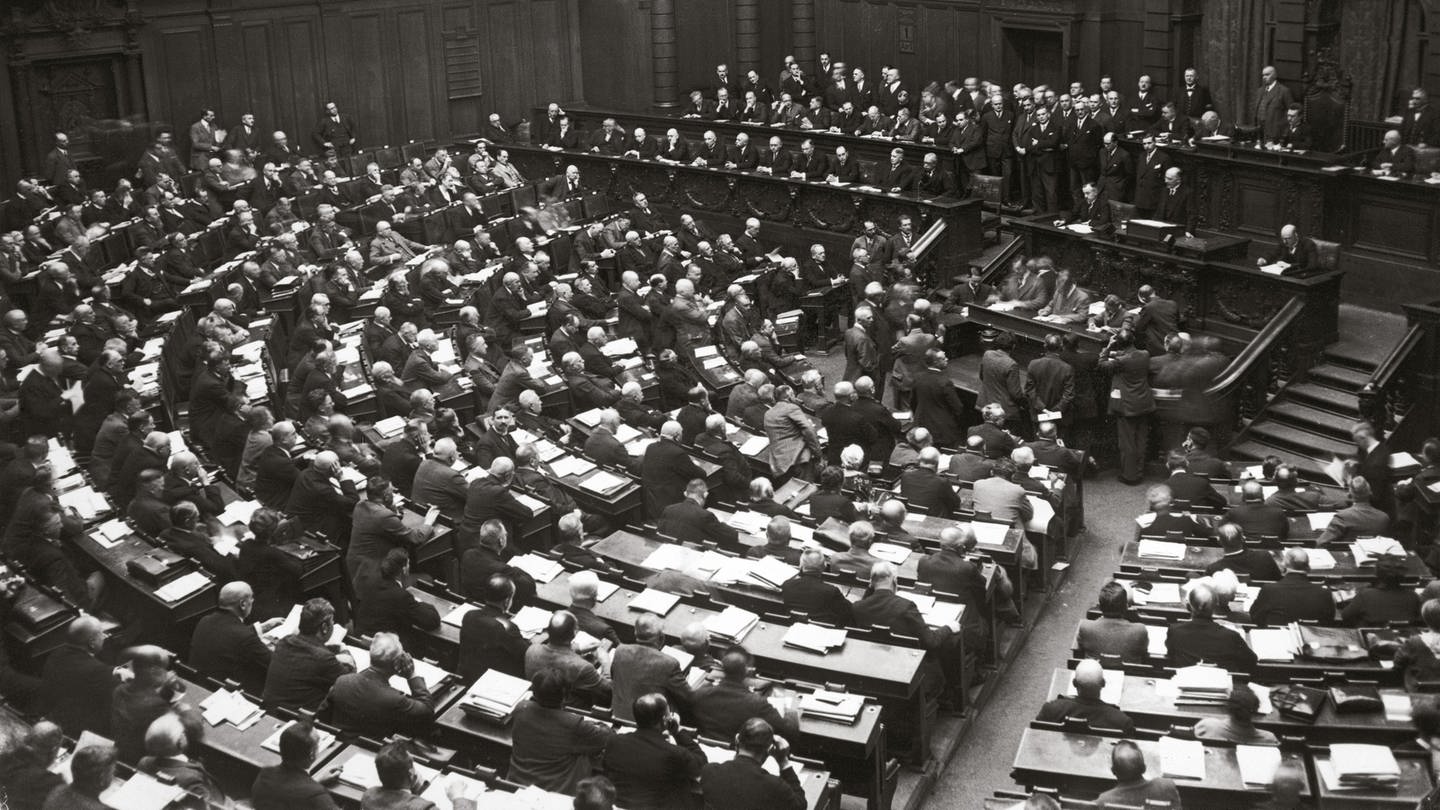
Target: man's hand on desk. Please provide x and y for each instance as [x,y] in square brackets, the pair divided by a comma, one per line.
[269,624]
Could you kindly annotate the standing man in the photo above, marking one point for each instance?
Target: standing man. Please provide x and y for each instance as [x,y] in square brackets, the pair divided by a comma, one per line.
[1131,401]
[1083,142]
[1194,100]
[998,124]
[335,131]
[861,357]
[1042,147]
[202,141]
[1150,178]
[1273,99]
[1158,317]
[1000,382]
[1117,169]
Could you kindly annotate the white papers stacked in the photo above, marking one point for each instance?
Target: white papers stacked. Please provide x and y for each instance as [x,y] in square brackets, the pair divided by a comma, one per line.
[392,426]
[754,445]
[771,573]
[86,501]
[653,601]
[732,624]
[535,505]
[813,637]
[1273,643]
[684,659]
[541,569]
[238,512]
[1159,549]
[748,522]
[670,557]
[602,482]
[836,706]
[225,706]
[177,589]
[1366,549]
[1362,766]
[891,553]
[455,617]
[1182,759]
[496,694]
[1320,559]
[531,620]
[1319,520]
[1159,593]
[1200,685]
[571,465]
[110,533]
[142,792]
[1043,513]
[990,534]
[427,672]
[619,347]
[1257,763]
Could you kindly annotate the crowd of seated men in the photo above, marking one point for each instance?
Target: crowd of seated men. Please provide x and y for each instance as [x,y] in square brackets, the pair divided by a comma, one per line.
[301,456]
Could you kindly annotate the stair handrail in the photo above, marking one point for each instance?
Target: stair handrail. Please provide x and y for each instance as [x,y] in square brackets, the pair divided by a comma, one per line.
[1382,399]
[1257,349]
[1001,259]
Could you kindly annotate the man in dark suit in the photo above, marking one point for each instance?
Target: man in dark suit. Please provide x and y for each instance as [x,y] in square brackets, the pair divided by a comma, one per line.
[950,571]
[1193,98]
[1293,597]
[1374,456]
[437,482]
[1150,177]
[689,519]
[224,647]
[810,594]
[721,708]
[922,486]
[488,637]
[743,784]
[1164,521]
[1297,252]
[1257,518]
[883,608]
[1176,204]
[383,604]
[289,784]
[937,402]
[1195,490]
[933,180]
[1158,317]
[302,668]
[1042,147]
[666,470]
[365,703]
[320,500]
[1131,400]
[1173,128]
[894,175]
[489,498]
[276,468]
[75,684]
[1240,559]
[843,424]
[674,149]
[377,528]
[1088,680]
[1116,168]
[1360,519]
[1201,640]
[846,168]
[641,669]
[1083,139]
[775,158]
[649,771]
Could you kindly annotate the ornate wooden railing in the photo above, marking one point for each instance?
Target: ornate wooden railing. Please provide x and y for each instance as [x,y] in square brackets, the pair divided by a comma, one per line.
[1387,397]
[1257,373]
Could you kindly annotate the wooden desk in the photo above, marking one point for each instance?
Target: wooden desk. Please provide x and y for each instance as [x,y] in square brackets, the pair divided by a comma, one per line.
[1415,781]
[1080,765]
[1146,701]
[812,208]
[1231,299]
[112,561]
[1197,558]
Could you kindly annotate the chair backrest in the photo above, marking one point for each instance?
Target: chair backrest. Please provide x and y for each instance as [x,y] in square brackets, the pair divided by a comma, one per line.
[1121,211]
[986,187]
[1427,160]
[1328,252]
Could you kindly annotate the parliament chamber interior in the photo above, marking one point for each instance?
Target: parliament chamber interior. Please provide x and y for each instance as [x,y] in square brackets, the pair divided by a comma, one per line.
[723,404]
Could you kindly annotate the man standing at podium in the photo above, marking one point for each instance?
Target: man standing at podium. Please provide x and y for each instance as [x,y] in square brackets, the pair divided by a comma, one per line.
[1176,206]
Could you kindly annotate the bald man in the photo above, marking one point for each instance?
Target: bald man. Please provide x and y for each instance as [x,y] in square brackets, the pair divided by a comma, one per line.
[75,684]
[1298,253]
[321,500]
[1087,682]
[225,647]
[666,469]
[1132,789]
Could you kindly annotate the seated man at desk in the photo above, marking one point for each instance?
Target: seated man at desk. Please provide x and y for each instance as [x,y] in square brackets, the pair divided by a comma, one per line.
[742,783]
[1088,681]
[884,608]
[224,646]
[689,519]
[1132,789]
[488,638]
[302,668]
[1069,304]
[1092,211]
[1242,705]
[1112,633]
[1359,519]
[1294,254]
[554,749]
[810,594]
[384,604]
[1164,521]
[1257,518]
[721,708]
[585,684]
[1201,640]
[289,783]
[365,703]
[1394,159]
[1241,560]
[1293,597]
[1290,495]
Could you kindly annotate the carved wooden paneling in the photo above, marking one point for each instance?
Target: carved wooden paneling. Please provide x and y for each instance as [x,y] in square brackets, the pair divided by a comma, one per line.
[182,52]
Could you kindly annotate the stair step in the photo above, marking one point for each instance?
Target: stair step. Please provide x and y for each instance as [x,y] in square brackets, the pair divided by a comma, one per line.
[1308,417]
[1348,379]
[1256,449]
[1349,356]
[1323,396]
[1300,440]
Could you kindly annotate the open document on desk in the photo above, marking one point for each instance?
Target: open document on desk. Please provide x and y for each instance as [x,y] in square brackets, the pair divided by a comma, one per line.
[431,674]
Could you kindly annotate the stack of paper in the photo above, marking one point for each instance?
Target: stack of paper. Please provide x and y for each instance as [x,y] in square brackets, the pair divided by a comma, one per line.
[571,465]
[770,573]
[393,426]
[541,569]
[1201,686]
[455,617]
[142,792]
[943,614]
[225,706]
[653,601]
[1364,766]
[89,503]
[496,694]
[1257,763]
[1182,759]
[891,553]
[531,620]
[1156,593]
[732,624]
[1273,643]
[1320,559]
[990,534]
[110,533]
[602,482]
[813,637]
[837,706]
[670,557]
[1162,550]
[748,522]
[238,513]
[177,589]
[1366,549]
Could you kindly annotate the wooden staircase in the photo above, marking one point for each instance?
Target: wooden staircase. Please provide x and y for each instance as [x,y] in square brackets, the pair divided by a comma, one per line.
[1308,422]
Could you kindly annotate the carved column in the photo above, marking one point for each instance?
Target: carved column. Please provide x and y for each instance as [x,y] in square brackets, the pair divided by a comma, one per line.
[802,31]
[662,47]
[747,36]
